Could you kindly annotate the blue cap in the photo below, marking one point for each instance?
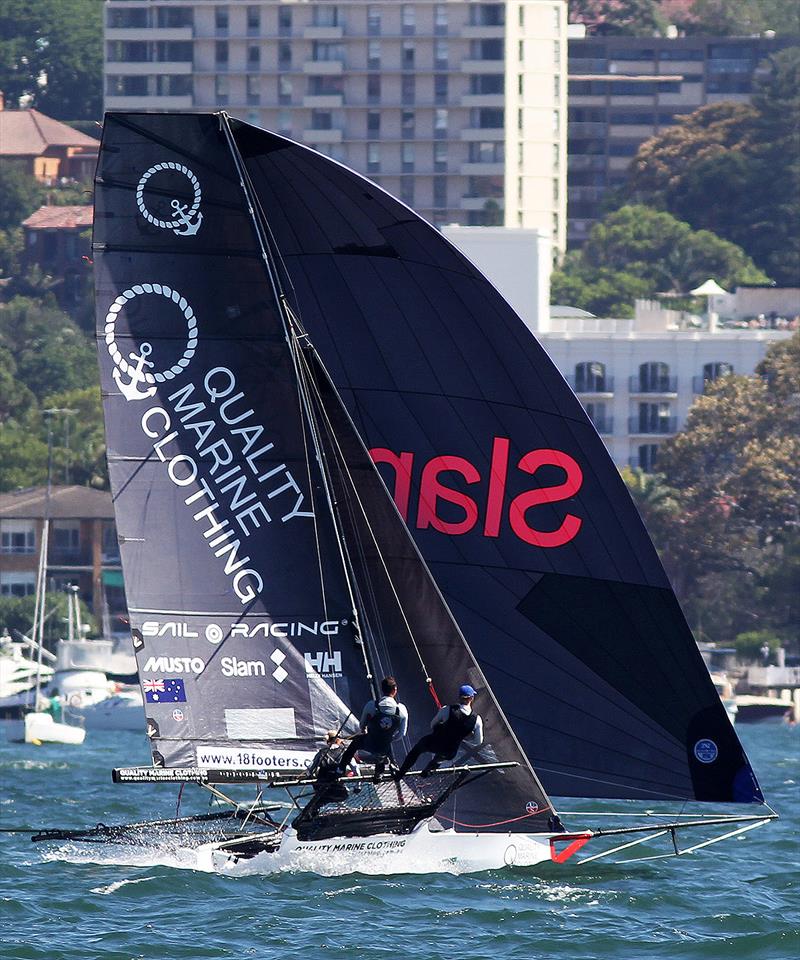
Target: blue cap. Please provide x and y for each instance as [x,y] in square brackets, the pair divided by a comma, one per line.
[467,691]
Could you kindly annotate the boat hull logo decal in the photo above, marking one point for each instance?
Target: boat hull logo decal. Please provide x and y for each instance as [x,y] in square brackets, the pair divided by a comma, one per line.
[142,383]
[186,218]
[706,751]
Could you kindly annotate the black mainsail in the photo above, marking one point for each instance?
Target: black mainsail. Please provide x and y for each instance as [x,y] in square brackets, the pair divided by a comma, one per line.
[508,490]
[262,607]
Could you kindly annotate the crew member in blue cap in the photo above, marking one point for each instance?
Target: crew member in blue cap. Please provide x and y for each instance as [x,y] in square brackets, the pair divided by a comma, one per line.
[452,726]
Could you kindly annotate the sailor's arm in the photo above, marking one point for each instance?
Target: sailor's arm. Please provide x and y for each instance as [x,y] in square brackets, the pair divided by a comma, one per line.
[369,711]
[440,717]
[402,715]
[475,739]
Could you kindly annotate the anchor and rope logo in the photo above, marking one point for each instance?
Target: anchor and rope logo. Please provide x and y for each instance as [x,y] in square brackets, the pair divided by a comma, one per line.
[142,383]
[185,218]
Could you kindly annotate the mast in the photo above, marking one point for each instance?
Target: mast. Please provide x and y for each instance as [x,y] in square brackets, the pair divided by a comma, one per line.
[293,336]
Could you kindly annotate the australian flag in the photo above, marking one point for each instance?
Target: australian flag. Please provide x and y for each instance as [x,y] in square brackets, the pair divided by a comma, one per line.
[164,691]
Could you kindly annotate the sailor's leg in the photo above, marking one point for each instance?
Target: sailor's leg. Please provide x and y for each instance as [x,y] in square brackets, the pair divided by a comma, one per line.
[350,752]
[421,746]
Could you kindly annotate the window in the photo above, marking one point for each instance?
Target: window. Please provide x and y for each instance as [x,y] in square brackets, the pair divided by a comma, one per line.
[221,54]
[373,20]
[654,418]
[110,544]
[325,86]
[374,54]
[173,86]
[483,83]
[221,89]
[407,60]
[284,90]
[439,157]
[520,85]
[373,88]
[487,118]
[440,87]
[441,52]
[487,14]
[408,19]
[126,86]
[654,378]
[488,151]
[17,583]
[597,414]
[66,540]
[373,123]
[590,377]
[221,19]
[253,21]
[407,191]
[557,52]
[174,50]
[253,89]
[327,51]
[321,120]
[555,191]
[373,157]
[556,19]
[407,89]
[440,192]
[325,15]
[648,452]
[253,57]
[17,536]
[557,89]
[284,20]
[285,122]
[407,157]
[408,124]
[128,19]
[440,123]
[486,50]
[713,371]
[440,19]
[284,55]
[556,122]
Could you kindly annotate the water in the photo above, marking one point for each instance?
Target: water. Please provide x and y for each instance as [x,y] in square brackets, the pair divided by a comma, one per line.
[739,899]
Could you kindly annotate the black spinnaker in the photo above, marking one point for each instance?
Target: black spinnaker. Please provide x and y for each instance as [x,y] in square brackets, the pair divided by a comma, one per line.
[225,442]
[509,492]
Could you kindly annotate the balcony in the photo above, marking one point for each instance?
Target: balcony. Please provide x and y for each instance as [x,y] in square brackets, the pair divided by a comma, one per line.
[318,135]
[483,66]
[483,32]
[479,169]
[660,426]
[598,387]
[323,33]
[323,67]
[69,556]
[153,33]
[665,386]
[323,101]
[483,133]
[603,425]
[483,100]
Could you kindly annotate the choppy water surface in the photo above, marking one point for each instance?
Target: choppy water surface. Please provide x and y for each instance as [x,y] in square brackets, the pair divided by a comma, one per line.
[739,899]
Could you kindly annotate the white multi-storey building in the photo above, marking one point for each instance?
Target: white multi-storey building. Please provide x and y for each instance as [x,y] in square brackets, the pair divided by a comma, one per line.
[456,107]
[638,378]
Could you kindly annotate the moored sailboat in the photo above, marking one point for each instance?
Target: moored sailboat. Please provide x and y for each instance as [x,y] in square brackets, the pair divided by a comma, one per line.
[271,326]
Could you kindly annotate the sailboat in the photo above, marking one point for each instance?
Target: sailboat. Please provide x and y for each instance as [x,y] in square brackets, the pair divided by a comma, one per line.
[336,453]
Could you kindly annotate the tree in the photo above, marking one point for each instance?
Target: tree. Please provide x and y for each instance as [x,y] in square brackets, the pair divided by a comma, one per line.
[635,18]
[52,52]
[741,18]
[735,169]
[20,194]
[16,614]
[735,469]
[637,252]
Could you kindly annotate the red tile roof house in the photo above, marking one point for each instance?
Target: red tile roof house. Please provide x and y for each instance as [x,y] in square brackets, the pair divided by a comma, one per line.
[53,241]
[47,148]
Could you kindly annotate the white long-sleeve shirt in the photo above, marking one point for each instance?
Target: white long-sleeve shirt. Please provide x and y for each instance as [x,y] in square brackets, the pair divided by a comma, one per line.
[475,739]
[371,708]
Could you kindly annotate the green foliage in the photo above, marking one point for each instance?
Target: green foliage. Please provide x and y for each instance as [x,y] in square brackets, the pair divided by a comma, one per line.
[16,613]
[638,252]
[735,169]
[11,246]
[52,51]
[20,194]
[735,543]
[740,18]
[748,644]
[633,18]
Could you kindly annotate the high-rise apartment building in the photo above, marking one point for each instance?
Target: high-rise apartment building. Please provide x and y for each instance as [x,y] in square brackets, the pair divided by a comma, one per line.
[457,107]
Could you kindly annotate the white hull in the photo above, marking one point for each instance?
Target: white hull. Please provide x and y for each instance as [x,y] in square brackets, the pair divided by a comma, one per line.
[422,851]
[123,711]
[41,728]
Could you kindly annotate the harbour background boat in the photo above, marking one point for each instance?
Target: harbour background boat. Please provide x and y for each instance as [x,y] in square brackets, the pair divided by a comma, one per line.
[739,899]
